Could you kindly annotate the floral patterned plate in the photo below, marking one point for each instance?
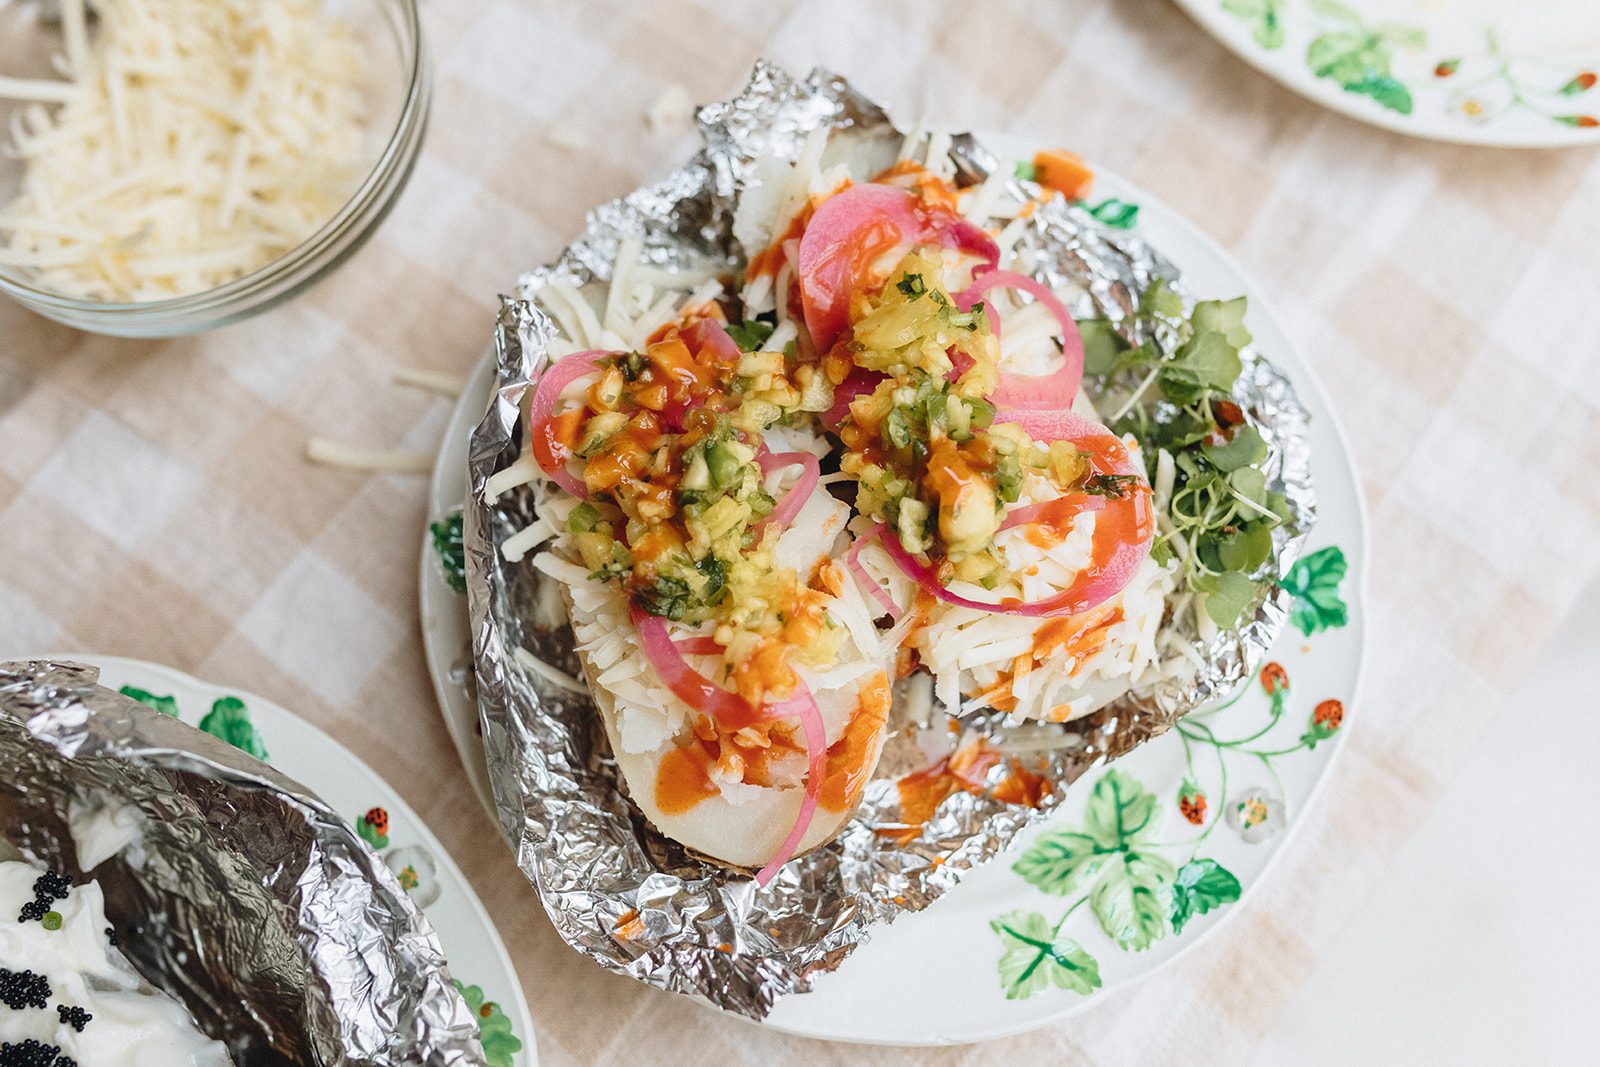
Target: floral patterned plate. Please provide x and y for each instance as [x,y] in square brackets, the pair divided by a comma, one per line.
[477,958]
[1515,73]
[1144,859]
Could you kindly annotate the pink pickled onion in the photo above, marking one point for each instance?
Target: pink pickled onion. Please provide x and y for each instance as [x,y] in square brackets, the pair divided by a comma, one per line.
[711,335]
[1121,536]
[1027,392]
[734,712]
[816,773]
[853,229]
[857,384]
[879,593]
[798,493]
[692,687]
[557,377]
[705,645]
[1051,509]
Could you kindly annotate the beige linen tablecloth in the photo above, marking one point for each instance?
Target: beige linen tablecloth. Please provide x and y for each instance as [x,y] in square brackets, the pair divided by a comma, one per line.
[154,499]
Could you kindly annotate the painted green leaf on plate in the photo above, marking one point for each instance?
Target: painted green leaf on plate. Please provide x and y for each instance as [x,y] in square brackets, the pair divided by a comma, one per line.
[1132,898]
[229,720]
[1121,811]
[1062,862]
[165,705]
[1265,18]
[1038,957]
[1201,885]
[1314,582]
[500,1044]
[1386,91]
[452,553]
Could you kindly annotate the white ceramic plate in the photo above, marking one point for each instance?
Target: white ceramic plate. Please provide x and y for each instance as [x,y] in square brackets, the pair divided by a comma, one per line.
[477,957]
[964,969]
[1514,73]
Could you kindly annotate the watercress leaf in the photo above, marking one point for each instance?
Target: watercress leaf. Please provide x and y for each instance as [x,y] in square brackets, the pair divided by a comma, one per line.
[1121,812]
[1225,317]
[1249,483]
[1205,363]
[1038,957]
[1230,595]
[1200,886]
[1247,549]
[1160,299]
[1101,345]
[1145,354]
[1245,450]
[1061,862]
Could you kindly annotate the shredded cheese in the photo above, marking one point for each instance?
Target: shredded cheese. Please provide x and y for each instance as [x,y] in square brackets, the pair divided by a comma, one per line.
[194,141]
[432,381]
[332,454]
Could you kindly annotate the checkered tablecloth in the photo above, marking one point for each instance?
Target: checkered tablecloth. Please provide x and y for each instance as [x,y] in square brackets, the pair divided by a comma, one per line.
[155,502]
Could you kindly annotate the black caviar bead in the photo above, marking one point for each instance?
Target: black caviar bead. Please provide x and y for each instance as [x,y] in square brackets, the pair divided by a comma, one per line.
[51,886]
[30,1053]
[33,911]
[111,935]
[23,989]
[73,1016]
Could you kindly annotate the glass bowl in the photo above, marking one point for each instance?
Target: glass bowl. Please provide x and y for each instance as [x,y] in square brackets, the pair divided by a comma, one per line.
[397,97]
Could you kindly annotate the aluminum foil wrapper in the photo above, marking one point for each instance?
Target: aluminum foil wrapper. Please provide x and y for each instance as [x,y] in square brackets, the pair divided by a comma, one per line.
[693,927]
[244,896]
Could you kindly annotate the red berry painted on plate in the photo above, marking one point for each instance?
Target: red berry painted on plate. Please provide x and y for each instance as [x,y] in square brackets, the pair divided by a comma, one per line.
[1328,715]
[1192,803]
[1274,679]
[1447,68]
[378,819]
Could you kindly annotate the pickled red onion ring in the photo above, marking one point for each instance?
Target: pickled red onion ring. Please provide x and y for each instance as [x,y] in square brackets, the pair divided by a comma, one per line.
[1056,390]
[1072,505]
[1122,535]
[857,384]
[557,377]
[816,772]
[798,493]
[709,334]
[733,712]
[879,593]
[705,645]
[853,229]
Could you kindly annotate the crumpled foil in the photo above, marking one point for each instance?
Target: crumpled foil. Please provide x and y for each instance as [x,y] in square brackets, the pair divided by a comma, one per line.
[616,889]
[246,897]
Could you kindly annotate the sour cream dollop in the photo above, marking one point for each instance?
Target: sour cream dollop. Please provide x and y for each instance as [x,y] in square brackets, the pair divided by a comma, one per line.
[95,1008]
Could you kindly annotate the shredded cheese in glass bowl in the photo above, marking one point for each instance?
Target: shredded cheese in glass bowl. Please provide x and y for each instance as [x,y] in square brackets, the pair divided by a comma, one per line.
[168,166]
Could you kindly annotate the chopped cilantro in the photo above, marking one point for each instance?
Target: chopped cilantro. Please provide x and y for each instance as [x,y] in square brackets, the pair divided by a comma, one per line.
[912,285]
[751,334]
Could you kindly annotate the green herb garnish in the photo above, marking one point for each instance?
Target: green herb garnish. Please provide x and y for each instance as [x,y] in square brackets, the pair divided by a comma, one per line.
[751,334]
[1175,397]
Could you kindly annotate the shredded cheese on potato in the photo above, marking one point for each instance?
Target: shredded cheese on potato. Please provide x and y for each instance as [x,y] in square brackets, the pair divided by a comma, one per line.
[195,141]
